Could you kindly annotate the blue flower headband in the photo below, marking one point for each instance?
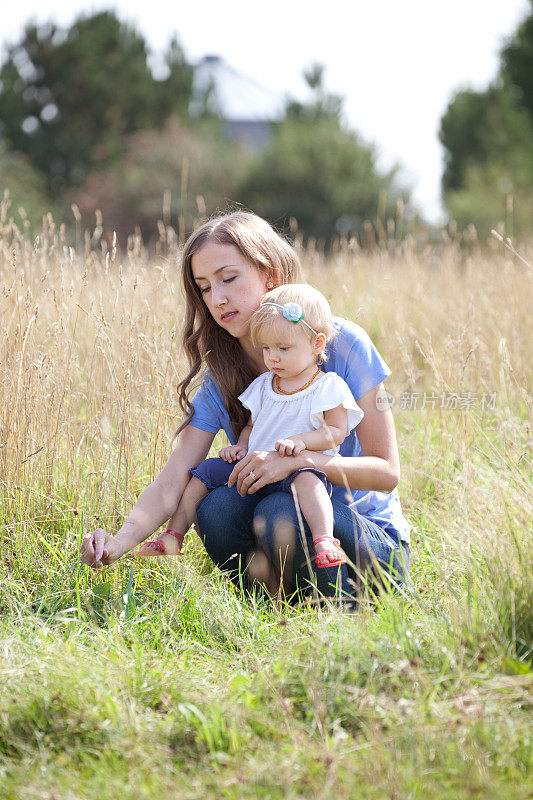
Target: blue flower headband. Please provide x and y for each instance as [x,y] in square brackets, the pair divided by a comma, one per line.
[292,312]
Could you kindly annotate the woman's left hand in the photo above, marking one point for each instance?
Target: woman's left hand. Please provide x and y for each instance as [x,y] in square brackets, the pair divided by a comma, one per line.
[259,468]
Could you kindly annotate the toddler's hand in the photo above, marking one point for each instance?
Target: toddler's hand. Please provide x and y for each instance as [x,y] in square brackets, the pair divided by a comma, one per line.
[232,453]
[290,447]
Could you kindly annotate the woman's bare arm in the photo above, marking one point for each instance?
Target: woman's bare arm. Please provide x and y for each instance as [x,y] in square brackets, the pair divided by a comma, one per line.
[155,505]
[378,469]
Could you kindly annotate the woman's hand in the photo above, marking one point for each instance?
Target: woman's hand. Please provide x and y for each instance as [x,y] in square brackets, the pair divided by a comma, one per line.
[259,468]
[99,548]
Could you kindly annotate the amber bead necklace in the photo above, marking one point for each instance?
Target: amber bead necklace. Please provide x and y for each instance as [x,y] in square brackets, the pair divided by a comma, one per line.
[300,389]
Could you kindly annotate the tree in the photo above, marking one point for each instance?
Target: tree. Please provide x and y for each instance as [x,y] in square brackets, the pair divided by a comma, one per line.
[322,105]
[174,90]
[316,170]
[517,63]
[24,190]
[67,98]
[488,141]
[191,172]
[479,128]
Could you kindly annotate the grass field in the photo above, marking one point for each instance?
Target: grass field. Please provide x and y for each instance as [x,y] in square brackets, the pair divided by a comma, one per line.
[157,680]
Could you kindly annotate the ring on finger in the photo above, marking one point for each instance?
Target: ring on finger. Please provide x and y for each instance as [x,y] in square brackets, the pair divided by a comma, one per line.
[252,475]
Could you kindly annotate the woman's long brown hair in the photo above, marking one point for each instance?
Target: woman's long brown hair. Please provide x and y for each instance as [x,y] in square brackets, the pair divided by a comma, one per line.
[205,342]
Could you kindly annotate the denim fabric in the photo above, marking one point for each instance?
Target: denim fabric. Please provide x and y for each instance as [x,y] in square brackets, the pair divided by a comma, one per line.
[227,521]
[215,472]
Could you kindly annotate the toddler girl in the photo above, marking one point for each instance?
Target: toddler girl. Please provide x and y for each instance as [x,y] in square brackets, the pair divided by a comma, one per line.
[294,406]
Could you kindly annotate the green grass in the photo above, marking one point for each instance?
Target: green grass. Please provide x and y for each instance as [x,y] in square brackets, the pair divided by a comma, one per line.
[153,679]
[157,680]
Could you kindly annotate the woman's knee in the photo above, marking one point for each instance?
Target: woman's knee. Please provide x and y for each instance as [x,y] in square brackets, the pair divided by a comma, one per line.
[275,522]
[223,506]
[225,527]
[371,551]
[278,531]
[224,516]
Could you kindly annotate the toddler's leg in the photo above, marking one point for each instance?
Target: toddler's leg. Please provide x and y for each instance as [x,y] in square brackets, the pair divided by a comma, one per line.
[169,544]
[317,510]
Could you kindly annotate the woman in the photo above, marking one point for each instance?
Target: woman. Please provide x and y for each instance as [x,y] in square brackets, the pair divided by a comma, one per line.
[229,263]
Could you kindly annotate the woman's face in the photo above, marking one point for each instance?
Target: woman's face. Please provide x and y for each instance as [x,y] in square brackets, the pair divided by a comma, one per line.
[232,287]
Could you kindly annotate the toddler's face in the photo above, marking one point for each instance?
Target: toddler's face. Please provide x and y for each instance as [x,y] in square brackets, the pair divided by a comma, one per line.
[289,353]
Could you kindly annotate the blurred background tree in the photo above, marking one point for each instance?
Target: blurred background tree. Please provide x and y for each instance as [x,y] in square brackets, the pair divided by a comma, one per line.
[517,62]
[22,190]
[176,175]
[84,119]
[68,97]
[317,171]
[87,122]
[488,141]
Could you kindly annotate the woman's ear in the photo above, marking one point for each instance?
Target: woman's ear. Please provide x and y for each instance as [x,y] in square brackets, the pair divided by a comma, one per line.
[272,282]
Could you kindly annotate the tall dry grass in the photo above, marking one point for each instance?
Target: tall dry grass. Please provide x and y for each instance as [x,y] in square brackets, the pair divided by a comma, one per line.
[96,668]
[90,356]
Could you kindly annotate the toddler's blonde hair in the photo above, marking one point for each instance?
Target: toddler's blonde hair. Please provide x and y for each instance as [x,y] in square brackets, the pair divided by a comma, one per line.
[315,309]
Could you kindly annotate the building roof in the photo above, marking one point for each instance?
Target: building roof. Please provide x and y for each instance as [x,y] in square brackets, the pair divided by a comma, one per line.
[229,93]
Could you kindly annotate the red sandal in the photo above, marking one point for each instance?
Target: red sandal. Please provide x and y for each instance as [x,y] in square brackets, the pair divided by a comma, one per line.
[322,559]
[158,547]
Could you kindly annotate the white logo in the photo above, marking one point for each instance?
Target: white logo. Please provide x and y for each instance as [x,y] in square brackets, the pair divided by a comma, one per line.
[384,400]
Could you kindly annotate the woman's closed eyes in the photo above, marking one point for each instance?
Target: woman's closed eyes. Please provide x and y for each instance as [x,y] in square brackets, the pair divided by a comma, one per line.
[204,289]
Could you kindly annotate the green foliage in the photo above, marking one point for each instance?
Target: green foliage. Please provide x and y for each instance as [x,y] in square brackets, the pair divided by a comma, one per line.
[65,94]
[312,169]
[488,141]
[316,171]
[517,62]
[323,104]
[495,195]
[23,188]
[58,718]
[319,173]
[172,94]
[85,110]
[481,128]
[197,171]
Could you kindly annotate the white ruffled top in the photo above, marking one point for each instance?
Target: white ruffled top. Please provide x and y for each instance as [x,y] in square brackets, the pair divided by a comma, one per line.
[279,416]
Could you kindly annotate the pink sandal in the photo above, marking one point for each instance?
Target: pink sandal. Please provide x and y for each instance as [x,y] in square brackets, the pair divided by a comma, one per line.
[322,559]
[158,548]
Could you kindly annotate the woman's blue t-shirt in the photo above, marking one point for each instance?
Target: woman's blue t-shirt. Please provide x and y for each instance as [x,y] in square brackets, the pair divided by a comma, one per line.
[351,355]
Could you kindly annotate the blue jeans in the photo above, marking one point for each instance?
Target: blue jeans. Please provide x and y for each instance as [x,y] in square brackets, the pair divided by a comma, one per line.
[232,527]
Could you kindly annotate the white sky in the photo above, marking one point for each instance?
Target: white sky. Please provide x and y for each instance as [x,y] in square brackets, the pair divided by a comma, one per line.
[396,63]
